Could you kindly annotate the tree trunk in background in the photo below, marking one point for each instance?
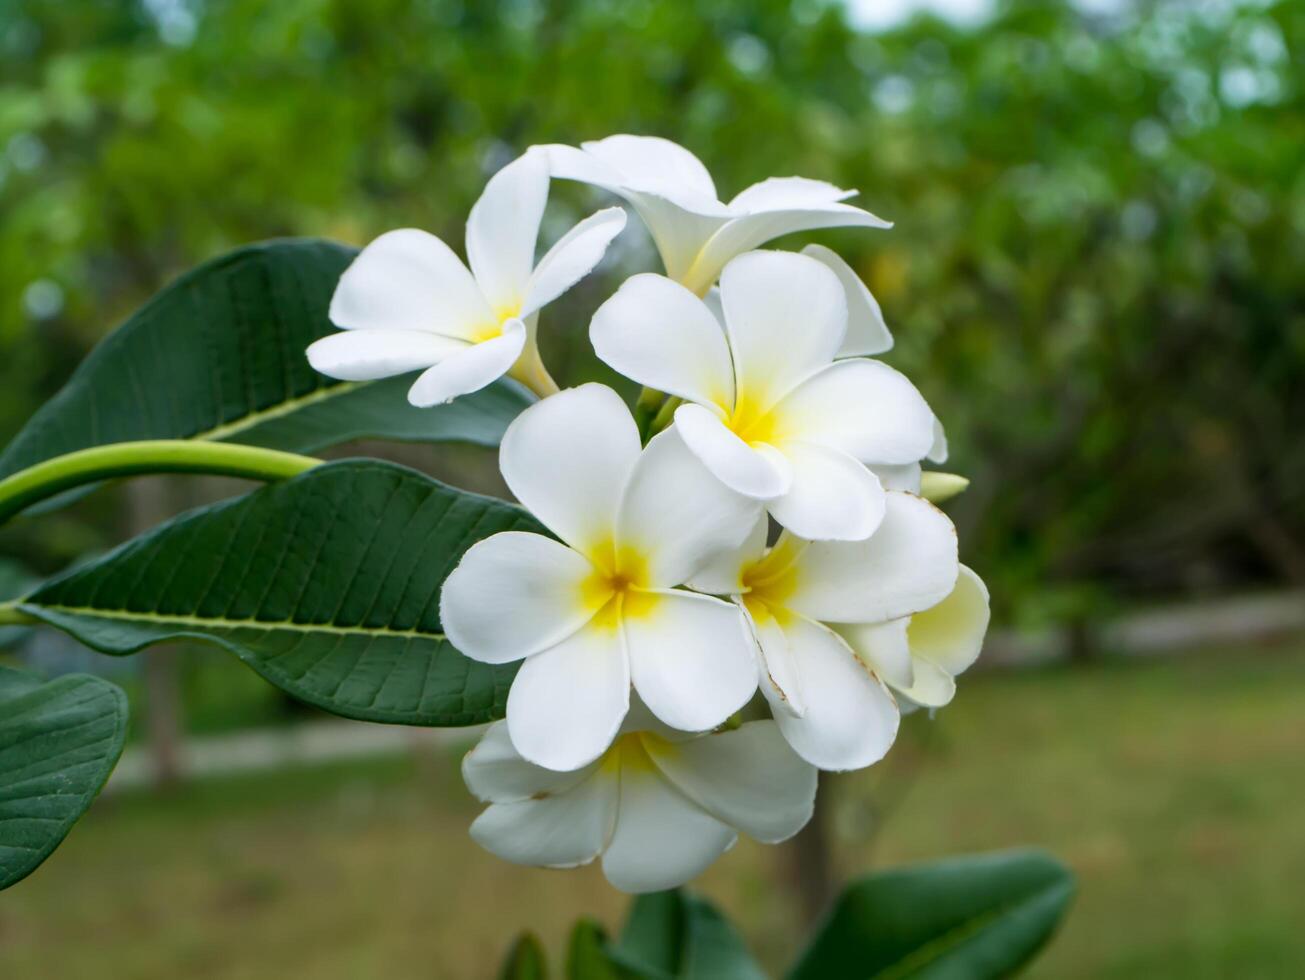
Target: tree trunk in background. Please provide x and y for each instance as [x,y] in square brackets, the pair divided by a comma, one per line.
[147,505]
[810,859]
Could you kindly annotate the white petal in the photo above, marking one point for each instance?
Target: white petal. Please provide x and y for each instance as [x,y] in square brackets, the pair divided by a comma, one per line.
[932,686]
[833,497]
[907,565]
[514,594]
[568,458]
[679,216]
[679,229]
[656,332]
[502,229]
[782,193]
[884,648]
[760,473]
[867,333]
[677,515]
[938,451]
[572,163]
[748,778]
[901,476]
[950,634]
[495,772]
[409,280]
[785,315]
[572,258]
[722,574]
[753,230]
[851,719]
[662,839]
[364,355]
[560,831]
[566,704]
[779,671]
[470,369]
[653,163]
[862,407]
[691,657]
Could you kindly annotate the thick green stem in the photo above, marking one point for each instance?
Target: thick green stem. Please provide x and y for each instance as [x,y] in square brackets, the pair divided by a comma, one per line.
[11,616]
[53,476]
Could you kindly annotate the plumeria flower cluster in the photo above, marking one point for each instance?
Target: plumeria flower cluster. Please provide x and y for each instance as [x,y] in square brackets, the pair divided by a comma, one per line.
[739,586]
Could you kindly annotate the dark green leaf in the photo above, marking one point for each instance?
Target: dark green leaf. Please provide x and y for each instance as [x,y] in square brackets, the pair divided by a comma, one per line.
[219,354]
[525,960]
[587,956]
[326,584]
[675,935]
[58,743]
[969,918]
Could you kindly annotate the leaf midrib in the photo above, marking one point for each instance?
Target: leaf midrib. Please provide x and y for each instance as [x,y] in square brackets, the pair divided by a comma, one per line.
[221,622]
[250,420]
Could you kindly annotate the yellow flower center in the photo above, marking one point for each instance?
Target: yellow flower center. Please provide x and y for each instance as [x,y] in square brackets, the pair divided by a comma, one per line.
[754,421]
[771,579]
[617,587]
[494,328]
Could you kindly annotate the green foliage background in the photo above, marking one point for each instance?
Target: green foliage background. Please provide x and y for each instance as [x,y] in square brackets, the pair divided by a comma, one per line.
[1096,274]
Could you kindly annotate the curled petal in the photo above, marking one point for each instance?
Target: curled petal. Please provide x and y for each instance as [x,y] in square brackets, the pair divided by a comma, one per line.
[951,633]
[851,719]
[573,257]
[884,648]
[783,193]
[867,333]
[761,473]
[752,230]
[653,163]
[470,369]
[931,686]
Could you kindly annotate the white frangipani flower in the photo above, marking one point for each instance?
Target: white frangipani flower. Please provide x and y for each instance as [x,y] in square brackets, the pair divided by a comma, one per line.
[831,706]
[768,408]
[695,232]
[659,806]
[600,611]
[919,656]
[408,303]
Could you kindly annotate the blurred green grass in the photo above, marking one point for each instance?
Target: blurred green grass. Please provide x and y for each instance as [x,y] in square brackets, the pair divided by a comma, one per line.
[1172,787]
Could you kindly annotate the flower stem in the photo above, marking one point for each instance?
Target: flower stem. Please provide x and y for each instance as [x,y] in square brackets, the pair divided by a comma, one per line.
[664,415]
[53,476]
[650,400]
